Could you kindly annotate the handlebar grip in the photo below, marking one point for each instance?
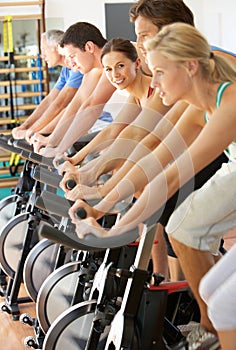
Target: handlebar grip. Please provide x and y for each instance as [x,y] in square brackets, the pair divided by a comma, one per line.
[10,141]
[81,213]
[60,161]
[70,184]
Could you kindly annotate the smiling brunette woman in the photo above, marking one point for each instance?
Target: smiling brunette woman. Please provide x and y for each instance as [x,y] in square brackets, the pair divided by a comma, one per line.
[122,67]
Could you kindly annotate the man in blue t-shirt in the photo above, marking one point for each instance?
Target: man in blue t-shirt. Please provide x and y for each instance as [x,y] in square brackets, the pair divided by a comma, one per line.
[63,91]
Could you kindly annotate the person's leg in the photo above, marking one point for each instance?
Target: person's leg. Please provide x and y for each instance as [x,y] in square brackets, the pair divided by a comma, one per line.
[218,275]
[198,224]
[176,272]
[159,254]
[197,182]
[195,264]
[217,288]
[227,339]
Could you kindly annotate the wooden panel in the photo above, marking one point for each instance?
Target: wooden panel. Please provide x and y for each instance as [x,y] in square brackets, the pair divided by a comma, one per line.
[10,11]
[11,182]
[17,17]
[21,3]
[8,120]
[19,107]
[23,82]
[21,70]
[5,132]
[4,158]
[24,94]
[18,57]
[5,170]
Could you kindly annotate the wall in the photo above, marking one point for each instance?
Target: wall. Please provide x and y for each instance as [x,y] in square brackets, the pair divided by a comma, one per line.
[219,22]
[215,18]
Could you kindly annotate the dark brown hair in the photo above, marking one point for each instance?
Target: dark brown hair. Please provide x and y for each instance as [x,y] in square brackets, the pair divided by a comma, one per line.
[80,33]
[162,12]
[120,45]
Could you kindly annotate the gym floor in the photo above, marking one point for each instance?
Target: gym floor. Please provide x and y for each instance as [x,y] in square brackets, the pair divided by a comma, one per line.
[13,333]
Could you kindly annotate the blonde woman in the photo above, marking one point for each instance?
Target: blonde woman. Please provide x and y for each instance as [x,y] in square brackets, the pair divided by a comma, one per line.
[184,68]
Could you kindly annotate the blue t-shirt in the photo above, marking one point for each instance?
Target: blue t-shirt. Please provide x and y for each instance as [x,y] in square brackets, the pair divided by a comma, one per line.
[68,78]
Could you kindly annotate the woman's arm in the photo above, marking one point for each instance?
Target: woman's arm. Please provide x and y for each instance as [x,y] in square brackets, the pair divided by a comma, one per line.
[119,151]
[208,146]
[123,145]
[211,141]
[143,165]
[106,136]
[147,144]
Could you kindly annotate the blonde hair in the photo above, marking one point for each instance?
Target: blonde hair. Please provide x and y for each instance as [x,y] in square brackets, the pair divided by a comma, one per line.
[181,42]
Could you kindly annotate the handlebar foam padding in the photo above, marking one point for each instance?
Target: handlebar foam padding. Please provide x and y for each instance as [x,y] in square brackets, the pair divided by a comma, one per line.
[66,239]
[37,158]
[60,206]
[4,144]
[90,242]
[23,145]
[46,176]
[54,204]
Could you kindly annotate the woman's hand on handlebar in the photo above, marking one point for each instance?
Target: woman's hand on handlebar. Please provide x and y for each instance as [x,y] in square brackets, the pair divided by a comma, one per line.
[28,135]
[90,211]
[69,176]
[83,192]
[50,152]
[90,226]
[66,167]
[18,132]
[38,141]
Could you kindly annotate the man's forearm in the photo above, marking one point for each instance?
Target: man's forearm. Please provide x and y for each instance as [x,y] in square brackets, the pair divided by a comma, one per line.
[38,112]
[81,124]
[58,133]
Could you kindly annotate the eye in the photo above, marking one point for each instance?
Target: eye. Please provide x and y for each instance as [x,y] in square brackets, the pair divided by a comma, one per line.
[158,73]
[107,69]
[121,65]
[144,37]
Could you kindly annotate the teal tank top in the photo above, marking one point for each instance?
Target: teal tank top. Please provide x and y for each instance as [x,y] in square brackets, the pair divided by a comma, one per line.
[231,150]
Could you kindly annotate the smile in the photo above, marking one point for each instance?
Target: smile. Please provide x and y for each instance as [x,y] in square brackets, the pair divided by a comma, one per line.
[118,81]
